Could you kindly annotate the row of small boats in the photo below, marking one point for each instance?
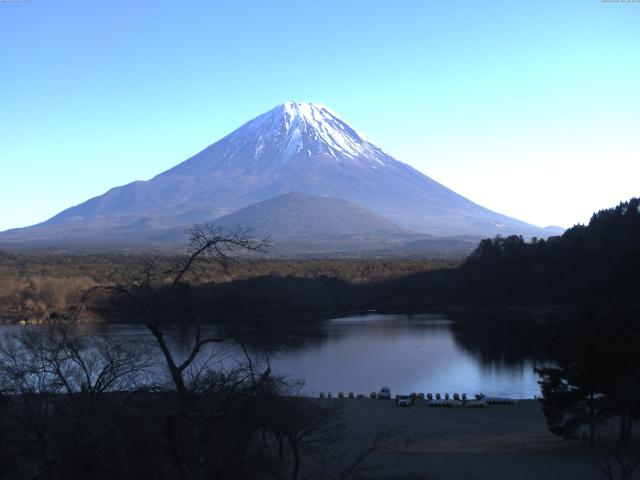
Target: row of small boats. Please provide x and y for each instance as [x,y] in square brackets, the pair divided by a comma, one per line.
[459,403]
[456,400]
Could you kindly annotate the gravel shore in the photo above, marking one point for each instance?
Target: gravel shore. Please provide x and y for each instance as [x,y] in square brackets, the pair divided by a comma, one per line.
[497,442]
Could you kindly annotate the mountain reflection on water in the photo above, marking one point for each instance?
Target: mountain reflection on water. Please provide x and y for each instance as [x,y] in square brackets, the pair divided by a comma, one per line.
[409,353]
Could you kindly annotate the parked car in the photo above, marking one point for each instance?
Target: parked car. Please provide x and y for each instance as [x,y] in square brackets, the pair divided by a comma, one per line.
[384,393]
[404,401]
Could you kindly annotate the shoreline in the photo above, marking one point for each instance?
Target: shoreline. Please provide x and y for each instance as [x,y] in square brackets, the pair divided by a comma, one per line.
[497,442]
[459,313]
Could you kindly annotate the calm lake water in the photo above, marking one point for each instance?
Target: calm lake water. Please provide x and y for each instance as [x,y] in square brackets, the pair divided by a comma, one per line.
[409,353]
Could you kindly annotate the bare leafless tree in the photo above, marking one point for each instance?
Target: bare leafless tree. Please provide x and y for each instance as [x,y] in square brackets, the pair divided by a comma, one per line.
[313,430]
[64,388]
[203,392]
[347,458]
[616,462]
[308,424]
[150,295]
[5,458]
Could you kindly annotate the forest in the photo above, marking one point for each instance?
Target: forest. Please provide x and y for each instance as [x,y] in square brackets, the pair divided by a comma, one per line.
[36,287]
[594,265]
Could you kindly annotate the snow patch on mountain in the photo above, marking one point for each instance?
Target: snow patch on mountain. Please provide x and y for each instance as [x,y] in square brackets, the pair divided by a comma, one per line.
[313,127]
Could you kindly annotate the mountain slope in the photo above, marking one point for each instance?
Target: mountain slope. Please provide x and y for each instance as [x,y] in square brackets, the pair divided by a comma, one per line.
[295,147]
[296,216]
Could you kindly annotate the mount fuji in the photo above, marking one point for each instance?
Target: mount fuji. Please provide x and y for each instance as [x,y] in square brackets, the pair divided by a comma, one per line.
[296,147]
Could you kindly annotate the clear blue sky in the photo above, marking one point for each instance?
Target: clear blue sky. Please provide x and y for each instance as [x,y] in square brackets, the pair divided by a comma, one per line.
[529,108]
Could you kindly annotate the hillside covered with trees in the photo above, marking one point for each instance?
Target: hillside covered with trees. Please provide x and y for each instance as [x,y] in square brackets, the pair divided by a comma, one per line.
[594,264]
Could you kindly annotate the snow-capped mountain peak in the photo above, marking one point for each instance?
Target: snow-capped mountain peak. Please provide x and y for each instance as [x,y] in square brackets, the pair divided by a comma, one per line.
[295,147]
[310,129]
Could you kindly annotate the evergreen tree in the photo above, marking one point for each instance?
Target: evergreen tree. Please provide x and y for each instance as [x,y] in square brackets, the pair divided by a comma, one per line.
[597,375]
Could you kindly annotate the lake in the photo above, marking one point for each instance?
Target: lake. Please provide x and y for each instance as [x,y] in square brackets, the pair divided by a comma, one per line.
[409,353]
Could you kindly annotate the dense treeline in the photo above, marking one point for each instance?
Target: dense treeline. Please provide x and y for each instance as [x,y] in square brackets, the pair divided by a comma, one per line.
[599,262]
[101,268]
[260,300]
[596,264]
[34,287]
